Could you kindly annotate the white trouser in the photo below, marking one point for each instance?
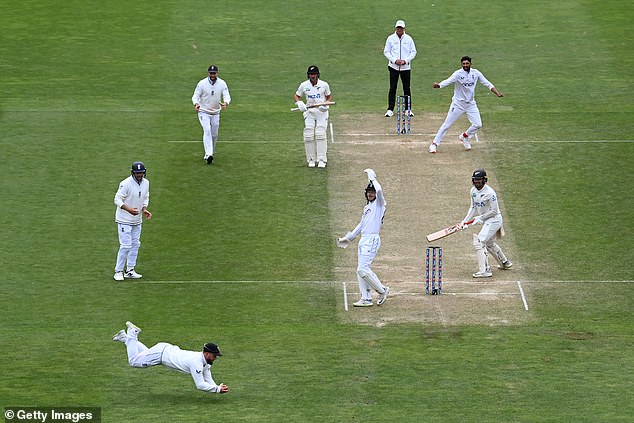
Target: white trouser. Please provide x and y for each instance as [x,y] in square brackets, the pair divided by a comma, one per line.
[315,142]
[485,240]
[129,243]
[457,109]
[210,124]
[141,356]
[368,247]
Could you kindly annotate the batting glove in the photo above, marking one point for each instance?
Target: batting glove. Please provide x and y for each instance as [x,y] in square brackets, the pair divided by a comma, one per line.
[302,106]
[324,108]
[371,174]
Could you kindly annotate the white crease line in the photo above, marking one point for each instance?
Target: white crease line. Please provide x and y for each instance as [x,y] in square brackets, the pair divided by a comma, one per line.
[523,297]
[345,296]
[489,283]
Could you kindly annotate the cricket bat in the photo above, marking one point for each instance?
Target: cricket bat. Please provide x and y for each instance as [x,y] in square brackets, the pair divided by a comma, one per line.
[325,103]
[446,232]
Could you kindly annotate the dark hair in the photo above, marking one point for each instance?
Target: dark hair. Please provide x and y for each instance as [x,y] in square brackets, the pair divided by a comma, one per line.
[465,58]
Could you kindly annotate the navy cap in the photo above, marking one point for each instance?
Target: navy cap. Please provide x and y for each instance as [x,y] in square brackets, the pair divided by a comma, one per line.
[212,68]
[210,347]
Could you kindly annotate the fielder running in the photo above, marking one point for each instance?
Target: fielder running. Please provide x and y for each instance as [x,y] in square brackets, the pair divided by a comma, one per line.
[210,97]
[316,118]
[131,199]
[195,363]
[463,102]
[370,242]
[485,208]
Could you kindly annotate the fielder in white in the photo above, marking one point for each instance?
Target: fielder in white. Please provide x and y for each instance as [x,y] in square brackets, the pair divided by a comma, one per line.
[370,242]
[210,97]
[195,363]
[485,211]
[463,102]
[132,199]
[315,119]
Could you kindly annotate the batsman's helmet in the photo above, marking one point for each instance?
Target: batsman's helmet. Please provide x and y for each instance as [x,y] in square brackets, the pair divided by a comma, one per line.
[312,69]
[479,174]
[138,167]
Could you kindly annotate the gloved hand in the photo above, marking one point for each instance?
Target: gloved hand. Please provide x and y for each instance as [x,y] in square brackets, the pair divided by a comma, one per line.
[343,242]
[371,174]
[323,108]
[301,105]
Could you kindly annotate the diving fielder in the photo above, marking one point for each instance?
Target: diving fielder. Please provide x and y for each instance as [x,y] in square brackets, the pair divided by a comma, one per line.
[316,118]
[370,242]
[210,97]
[131,199]
[485,208]
[195,363]
[463,102]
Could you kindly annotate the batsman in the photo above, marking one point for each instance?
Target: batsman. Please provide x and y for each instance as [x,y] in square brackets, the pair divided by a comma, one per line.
[315,118]
[485,210]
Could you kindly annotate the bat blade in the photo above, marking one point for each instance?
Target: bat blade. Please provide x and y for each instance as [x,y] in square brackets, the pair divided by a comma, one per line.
[446,232]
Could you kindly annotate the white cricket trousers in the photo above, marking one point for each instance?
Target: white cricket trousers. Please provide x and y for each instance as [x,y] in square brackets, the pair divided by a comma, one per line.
[129,243]
[487,237]
[457,109]
[141,356]
[368,248]
[210,124]
[315,142]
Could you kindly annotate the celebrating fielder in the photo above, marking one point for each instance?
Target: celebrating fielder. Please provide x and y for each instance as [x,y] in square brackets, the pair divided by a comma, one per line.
[131,199]
[196,363]
[370,242]
[315,118]
[463,102]
[484,210]
[210,97]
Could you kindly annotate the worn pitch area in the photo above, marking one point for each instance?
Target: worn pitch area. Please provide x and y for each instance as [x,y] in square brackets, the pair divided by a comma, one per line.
[424,193]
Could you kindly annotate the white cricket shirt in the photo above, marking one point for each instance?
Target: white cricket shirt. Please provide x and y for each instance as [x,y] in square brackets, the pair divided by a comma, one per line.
[209,95]
[484,203]
[372,217]
[465,84]
[132,194]
[191,362]
[314,93]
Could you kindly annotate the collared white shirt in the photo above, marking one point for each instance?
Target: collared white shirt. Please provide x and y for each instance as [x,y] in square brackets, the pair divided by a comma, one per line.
[465,84]
[372,217]
[399,48]
[132,194]
[209,95]
[314,94]
[191,362]
[484,203]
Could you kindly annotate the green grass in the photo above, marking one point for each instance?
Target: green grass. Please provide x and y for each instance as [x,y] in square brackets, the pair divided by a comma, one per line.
[90,87]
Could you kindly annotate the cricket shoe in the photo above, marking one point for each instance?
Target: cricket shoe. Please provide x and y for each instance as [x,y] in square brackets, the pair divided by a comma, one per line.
[321,164]
[506,265]
[132,328]
[210,160]
[363,303]
[432,148]
[311,163]
[120,336]
[409,113]
[118,276]
[389,113]
[485,274]
[383,296]
[131,274]
[465,141]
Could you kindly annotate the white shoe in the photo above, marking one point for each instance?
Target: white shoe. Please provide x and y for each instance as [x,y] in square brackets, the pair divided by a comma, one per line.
[321,164]
[118,276]
[409,113]
[363,303]
[506,265]
[311,163]
[383,296]
[131,274]
[486,274]
[432,148]
[465,142]
[389,113]
[120,336]
[132,328]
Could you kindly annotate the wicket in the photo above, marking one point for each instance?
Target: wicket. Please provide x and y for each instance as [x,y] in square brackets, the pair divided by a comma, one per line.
[433,273]
[403,114]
